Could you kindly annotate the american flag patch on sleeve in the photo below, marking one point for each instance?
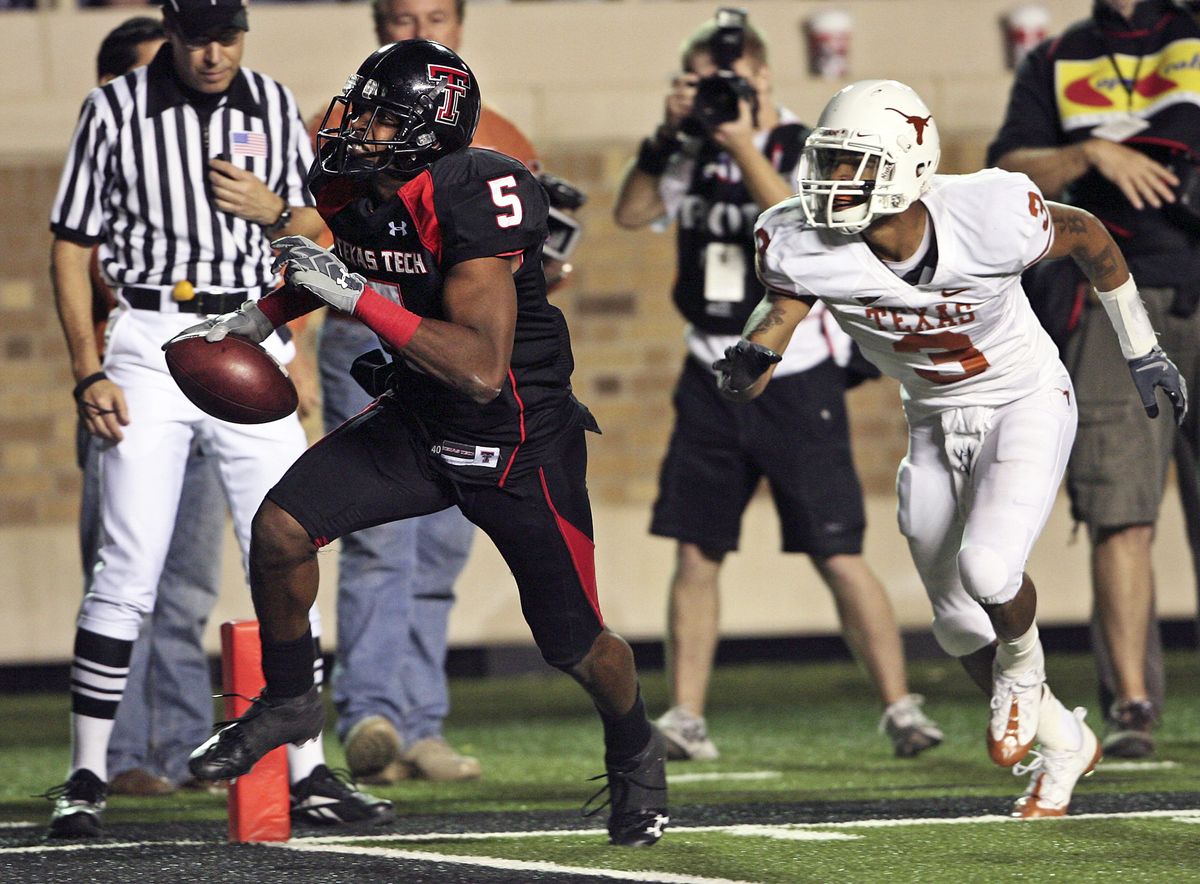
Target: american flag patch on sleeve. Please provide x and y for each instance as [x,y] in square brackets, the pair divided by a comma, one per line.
[248,144]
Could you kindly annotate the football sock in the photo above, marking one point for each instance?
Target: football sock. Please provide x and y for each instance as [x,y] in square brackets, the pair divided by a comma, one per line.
[303,759]
[1022,653]
[98,675]
[626,735]
[288,666]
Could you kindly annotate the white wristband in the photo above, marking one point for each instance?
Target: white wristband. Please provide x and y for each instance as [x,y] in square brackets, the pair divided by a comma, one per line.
[1129,319]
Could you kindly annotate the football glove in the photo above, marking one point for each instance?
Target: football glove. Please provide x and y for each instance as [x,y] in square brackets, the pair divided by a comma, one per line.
[319,271]
[246,321]
[1156,370]
[743,364]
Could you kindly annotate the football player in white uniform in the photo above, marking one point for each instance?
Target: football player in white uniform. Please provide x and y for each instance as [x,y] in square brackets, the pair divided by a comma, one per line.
[924,272]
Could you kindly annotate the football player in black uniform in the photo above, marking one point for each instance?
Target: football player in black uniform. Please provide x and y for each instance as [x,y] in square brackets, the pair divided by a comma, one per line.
[437,248]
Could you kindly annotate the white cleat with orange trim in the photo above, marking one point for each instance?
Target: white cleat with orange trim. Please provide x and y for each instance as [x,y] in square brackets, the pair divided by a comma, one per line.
[1055,774]
[1016,706]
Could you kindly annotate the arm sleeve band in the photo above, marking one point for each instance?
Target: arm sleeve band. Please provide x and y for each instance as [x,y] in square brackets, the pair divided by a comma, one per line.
[287,303]
[1129,319]
[393,323]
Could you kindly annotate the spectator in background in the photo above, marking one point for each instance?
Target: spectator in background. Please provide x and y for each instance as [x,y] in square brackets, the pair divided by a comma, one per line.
[713,184]
[396,581]
[1101,118]
[209,212]
[168,702]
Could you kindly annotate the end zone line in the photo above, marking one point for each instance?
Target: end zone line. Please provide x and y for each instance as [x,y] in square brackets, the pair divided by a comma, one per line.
[506,864]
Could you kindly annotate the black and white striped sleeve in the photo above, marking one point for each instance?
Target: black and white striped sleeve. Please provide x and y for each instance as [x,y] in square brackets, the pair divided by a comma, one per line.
[78,214]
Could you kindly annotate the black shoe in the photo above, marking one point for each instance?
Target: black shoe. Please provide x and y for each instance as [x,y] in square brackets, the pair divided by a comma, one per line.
[268,723]
[78,804]
[1129,726]
[324,798]
[637,796]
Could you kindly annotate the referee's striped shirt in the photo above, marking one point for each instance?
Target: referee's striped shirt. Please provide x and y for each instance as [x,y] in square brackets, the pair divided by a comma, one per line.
[135,180]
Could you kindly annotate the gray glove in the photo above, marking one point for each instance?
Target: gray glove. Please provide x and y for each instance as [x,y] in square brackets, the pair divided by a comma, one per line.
[246,321]
[318,271]
[1156,370]
[743,364]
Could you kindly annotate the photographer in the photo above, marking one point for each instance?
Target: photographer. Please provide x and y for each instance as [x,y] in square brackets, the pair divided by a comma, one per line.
[1121,144]
[724,153]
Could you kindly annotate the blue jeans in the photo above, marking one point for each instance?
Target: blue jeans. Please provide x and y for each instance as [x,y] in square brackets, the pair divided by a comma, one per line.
[166,710]
[395,583]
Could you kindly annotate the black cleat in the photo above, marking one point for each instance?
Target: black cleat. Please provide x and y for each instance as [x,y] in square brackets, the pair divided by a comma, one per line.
[323,798]
[238,745]
[78,804]
[637,796]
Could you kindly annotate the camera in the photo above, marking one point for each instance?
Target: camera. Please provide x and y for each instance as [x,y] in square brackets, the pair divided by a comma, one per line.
[564,230]
[717,96]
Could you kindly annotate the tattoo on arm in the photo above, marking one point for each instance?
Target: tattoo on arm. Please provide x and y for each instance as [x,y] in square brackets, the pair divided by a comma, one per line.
[1068,224]
[768,320]
[1100,265]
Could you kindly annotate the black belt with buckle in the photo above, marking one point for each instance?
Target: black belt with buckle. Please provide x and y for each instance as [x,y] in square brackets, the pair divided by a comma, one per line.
[203,302]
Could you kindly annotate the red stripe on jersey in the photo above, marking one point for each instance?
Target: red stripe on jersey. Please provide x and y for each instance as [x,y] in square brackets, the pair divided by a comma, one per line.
[417,196]
[512,380]
[582,550]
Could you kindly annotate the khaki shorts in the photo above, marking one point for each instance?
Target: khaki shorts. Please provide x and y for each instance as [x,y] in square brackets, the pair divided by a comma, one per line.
[1118,466]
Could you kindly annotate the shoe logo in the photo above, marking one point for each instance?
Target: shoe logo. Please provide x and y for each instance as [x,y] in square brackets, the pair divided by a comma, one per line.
[656,828]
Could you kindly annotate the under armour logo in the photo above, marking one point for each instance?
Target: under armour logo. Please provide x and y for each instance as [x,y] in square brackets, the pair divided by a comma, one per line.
[345,279]
[402,227]
[656,828]
[918,123]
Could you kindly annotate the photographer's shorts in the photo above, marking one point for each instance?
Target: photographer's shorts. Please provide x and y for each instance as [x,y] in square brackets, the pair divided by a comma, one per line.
[1118,466]
[373,469]
[795,435]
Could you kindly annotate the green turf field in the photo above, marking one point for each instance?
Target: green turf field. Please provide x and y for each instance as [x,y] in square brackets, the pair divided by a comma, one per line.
[799,794]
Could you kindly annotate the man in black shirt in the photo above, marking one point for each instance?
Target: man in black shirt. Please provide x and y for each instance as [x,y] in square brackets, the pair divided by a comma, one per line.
[437,249]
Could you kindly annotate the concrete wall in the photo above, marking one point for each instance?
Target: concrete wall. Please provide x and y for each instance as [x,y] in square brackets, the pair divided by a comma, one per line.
[585,80]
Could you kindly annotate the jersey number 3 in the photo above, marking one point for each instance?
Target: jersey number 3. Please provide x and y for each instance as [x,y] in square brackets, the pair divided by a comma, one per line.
[504,199]
[942,348]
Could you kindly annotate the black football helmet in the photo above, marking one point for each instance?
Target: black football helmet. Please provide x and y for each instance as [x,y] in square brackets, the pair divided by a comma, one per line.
[423,89]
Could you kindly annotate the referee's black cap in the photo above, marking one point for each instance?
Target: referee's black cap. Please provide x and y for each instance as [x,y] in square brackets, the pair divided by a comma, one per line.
[196,18]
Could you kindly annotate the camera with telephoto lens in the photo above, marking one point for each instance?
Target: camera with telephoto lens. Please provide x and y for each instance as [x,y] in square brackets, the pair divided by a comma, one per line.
[717,96]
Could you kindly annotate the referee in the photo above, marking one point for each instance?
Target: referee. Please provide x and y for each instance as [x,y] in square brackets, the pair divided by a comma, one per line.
[180,173]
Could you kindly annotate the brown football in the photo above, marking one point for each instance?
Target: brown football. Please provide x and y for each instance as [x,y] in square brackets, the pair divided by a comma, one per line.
[234,379]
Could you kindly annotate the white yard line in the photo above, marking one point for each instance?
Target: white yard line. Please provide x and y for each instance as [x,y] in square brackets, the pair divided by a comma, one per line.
[76,846]
[489,862]
[1107,765]
[717,777]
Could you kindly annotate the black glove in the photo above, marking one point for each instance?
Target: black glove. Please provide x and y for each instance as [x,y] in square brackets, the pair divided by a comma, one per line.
[743,364]
[1156,370]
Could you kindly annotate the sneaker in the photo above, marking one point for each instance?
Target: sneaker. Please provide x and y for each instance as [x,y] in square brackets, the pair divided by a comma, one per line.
[637,796]
[1016,704]
[373,752]
[268,723]
[434,759]
[687,736]
[78,804]
[140,782]
[1055,775]
[910,730]
[1129,726]
[323,798]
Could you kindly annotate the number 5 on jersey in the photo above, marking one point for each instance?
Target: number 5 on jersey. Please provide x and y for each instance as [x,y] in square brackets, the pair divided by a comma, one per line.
[503,198]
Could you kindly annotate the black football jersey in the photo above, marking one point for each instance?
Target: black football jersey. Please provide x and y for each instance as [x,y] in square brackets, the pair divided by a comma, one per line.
[718,209]
[473,203]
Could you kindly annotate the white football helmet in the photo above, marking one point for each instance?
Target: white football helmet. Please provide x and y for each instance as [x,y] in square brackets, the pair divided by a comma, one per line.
[874,152]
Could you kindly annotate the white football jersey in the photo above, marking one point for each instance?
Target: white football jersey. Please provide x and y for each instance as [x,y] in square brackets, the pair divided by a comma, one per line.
[968,336]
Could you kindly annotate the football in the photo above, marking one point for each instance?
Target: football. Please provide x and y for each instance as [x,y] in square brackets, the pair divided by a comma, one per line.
[234,379]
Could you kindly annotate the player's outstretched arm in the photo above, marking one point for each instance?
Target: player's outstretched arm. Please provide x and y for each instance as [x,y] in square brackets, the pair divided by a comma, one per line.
[1081,235]
[746,368]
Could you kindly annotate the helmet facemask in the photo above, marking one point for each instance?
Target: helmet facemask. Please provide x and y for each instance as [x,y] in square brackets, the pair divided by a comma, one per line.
[838,180]
[346,149]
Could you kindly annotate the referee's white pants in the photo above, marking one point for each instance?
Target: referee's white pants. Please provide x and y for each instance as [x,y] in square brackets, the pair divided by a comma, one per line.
[141,478]
[970,533]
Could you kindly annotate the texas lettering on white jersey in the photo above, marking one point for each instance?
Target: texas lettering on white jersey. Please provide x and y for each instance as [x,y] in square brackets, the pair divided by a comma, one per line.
[966,337]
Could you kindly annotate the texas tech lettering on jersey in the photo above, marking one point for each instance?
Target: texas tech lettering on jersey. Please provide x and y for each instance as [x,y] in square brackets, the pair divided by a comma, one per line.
[387,260]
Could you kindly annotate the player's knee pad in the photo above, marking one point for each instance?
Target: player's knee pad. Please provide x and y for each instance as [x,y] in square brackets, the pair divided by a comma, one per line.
[987,576]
